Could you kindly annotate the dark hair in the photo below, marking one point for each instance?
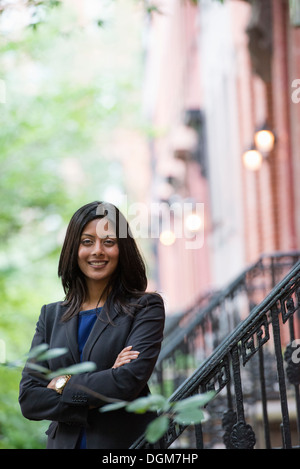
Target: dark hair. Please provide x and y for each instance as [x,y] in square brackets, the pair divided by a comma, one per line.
[129,279]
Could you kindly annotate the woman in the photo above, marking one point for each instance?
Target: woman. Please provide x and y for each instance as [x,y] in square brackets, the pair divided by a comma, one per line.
[106,318]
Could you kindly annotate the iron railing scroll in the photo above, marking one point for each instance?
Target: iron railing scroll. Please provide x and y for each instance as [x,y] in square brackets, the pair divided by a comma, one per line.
[199,330]
[255,374]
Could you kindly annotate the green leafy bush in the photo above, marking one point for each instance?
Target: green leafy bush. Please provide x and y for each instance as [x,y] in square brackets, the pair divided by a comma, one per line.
[184,412]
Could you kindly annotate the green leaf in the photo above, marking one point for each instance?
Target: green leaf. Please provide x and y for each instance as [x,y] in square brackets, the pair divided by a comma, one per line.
[157,428]
[38,368]
[52,353]
[193,402]
[153,9]
[189,416]
[76,369]
[114,406]
[150,403]
[38,350]
[139,406]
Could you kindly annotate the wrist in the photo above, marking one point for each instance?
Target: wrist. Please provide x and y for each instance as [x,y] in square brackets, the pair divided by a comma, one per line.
[61,383]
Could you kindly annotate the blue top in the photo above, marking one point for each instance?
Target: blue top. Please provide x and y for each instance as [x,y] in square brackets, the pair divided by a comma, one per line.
[86,321]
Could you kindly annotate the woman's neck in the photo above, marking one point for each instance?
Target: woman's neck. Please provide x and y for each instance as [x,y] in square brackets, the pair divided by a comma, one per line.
[94,293]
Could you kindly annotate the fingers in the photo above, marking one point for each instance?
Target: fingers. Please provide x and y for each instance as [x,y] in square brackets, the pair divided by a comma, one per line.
[52,383]
[128,353]
[125,356]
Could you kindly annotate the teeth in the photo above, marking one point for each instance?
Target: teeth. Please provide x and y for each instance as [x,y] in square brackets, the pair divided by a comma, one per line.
[97,263]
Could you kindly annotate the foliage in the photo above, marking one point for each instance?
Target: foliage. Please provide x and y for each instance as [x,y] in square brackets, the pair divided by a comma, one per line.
[66,94]
[39,9]
[43,353]
[52,124]
[57,123]
[184,412]
[15,431]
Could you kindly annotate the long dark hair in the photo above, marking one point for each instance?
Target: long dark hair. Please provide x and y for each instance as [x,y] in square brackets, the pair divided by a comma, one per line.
[129,279]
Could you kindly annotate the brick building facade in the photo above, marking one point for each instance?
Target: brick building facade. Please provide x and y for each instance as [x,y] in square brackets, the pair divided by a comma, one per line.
[232,65]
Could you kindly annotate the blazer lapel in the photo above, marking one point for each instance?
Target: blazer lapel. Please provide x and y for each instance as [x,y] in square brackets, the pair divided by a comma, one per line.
[71,333]
[101,323]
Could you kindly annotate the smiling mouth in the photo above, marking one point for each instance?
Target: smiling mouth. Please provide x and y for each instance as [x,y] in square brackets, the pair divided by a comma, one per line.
[98,264]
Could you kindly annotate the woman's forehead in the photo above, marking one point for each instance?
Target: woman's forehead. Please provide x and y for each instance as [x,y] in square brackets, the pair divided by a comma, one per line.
[102,228]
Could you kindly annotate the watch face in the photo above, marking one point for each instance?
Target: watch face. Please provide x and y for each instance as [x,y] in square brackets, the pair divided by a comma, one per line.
[60,382]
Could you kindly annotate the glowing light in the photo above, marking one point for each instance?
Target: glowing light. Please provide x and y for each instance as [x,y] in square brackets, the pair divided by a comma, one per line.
[264,140]
[193,222]
[252,160]
[167,238]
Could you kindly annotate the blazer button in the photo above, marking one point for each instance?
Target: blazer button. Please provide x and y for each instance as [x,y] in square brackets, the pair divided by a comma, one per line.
[79,398]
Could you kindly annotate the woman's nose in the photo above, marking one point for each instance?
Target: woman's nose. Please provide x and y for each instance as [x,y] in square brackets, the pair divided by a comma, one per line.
[98,247]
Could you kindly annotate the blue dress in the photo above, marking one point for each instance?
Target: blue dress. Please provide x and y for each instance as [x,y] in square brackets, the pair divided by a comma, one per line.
[86,321]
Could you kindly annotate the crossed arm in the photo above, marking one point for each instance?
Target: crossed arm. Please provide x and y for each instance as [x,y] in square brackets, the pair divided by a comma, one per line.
[126,378]
[125,356]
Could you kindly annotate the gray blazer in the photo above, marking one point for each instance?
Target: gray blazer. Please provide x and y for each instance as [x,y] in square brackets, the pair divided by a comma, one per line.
[70,411]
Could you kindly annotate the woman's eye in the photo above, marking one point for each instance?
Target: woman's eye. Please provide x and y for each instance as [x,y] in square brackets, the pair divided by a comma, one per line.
[86,242]
[109,242]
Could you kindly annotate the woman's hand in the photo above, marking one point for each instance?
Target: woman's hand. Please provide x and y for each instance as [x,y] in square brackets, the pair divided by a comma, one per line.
[125,356]
[52,384]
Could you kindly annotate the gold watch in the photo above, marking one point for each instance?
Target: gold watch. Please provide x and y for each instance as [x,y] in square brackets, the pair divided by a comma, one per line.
[61,382]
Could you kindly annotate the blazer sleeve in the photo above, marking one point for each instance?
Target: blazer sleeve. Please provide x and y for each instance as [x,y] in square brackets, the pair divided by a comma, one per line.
[127,381]
[38,402]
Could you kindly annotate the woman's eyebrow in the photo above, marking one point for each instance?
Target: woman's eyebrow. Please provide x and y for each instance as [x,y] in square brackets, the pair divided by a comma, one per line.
[113,235]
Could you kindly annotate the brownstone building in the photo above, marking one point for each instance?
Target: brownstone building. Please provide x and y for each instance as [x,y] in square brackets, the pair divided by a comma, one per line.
[223,71]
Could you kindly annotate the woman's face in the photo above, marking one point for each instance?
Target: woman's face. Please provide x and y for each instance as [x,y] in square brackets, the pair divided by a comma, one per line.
[98,252]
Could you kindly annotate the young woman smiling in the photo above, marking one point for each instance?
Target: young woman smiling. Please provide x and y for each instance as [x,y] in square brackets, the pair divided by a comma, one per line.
[107,318]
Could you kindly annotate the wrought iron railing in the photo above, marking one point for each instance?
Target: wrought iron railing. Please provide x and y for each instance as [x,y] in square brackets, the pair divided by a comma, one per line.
[200,329]
[255,373]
